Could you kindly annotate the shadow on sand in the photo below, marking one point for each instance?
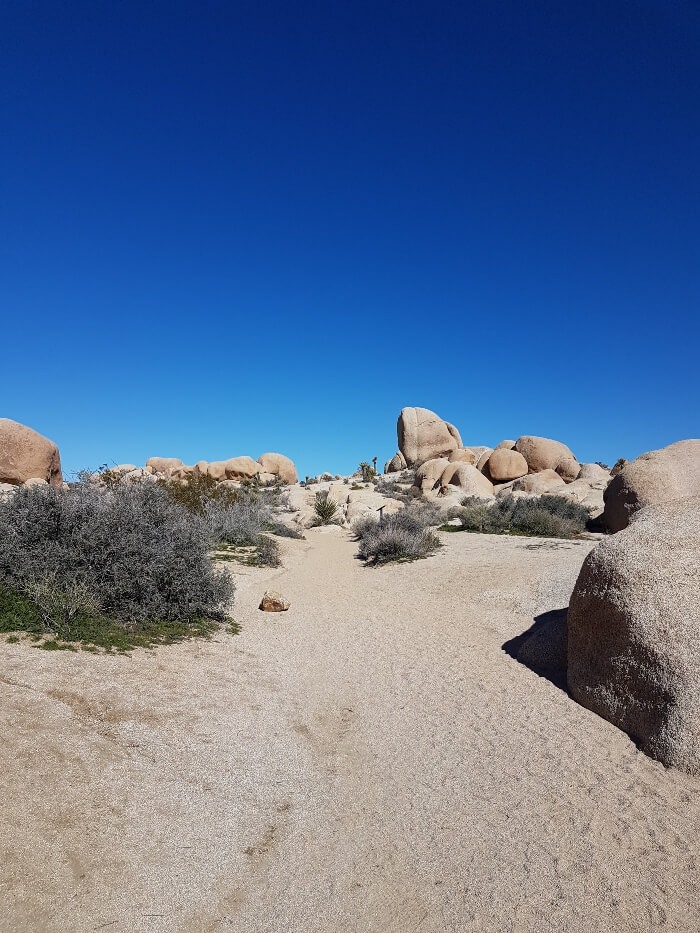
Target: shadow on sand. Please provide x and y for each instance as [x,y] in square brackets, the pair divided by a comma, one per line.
[543,647]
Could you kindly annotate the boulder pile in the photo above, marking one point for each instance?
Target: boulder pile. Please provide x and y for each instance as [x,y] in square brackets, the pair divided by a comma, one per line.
[446,470]
[268,468]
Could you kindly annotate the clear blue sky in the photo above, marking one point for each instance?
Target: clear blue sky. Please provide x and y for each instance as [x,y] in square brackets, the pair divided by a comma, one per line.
[233,227]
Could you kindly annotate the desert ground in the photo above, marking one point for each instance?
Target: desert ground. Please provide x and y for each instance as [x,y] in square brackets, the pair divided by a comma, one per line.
[371,760]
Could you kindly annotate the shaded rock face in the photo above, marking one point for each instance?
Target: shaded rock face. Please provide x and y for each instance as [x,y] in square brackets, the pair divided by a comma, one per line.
[542,453]
[659,476]
[423,435]
[396,464]
[634,632]
[25,454]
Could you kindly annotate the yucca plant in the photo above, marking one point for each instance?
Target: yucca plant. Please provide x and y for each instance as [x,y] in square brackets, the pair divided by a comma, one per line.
[325,508]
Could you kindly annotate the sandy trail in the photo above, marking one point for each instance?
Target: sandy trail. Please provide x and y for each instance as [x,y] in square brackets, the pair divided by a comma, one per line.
[371,760]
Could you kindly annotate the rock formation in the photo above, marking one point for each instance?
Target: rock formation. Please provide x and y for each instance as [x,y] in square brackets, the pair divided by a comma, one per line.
[633,624]
[663,475]
[25,454]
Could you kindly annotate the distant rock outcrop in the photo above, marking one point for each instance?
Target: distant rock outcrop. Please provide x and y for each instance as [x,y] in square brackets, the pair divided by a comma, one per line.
[659,476]
[25,455]
[279,466]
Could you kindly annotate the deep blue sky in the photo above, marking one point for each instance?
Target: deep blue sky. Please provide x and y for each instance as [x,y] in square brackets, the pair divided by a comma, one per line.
[232,227]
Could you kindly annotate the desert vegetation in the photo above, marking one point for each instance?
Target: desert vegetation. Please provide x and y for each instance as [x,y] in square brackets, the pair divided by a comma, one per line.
[545,516]
[114,566]
[405,535]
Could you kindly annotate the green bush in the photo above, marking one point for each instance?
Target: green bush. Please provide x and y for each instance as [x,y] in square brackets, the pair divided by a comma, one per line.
[325,509]
[545,516]
[405,535]
[126,553]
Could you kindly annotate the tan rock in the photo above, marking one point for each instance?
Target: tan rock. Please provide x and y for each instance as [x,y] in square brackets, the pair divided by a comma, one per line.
[659,476]
[542,453]
[267,478]
[505,464]
[462,455]
[164,464]
[428,474]
[467,478]
[274,602]
[26,454]
[201,468]
[35,481]
[279,465]
[396,464]
[423,435]
[633,647]
[594,474]
[217,469]
[483,458]
[539,483]
[505,445]
[241,468]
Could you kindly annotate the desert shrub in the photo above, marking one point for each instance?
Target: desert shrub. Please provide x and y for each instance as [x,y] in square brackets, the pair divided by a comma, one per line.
[405,535]
[325,509]
[198,492]
[240,521]
[283,531]
[390,541]
[603,465]
[127,552]
[365,525]
[618,467]
[267,552]
[545,516]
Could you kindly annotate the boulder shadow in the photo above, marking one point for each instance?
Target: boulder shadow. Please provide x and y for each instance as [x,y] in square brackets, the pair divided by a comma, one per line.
[543,647]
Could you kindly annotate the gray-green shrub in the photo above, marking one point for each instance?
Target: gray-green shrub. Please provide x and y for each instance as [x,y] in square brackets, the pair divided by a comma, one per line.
[544,516]
[128,549]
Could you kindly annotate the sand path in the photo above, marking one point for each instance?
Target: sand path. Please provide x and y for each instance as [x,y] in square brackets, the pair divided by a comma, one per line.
[371,760]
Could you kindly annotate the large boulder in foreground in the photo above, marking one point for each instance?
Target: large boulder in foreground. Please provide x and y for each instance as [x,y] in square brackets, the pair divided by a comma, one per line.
[26,454]
[282,467]
[634,632]
[659,476]
[423,435]
[542,453]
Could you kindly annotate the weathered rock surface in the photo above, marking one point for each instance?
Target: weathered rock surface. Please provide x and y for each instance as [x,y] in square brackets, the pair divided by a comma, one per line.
[659,476]
[164,464]
[274,602]
[217,470]
[280,465]
[539,483]
[26,454]
[542,453]
[505,445]
[633,640]
[505,464]
[463,455]
[428,474]
[396,464]
[423,435]
[241,468]
[467,478]
[594,474]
